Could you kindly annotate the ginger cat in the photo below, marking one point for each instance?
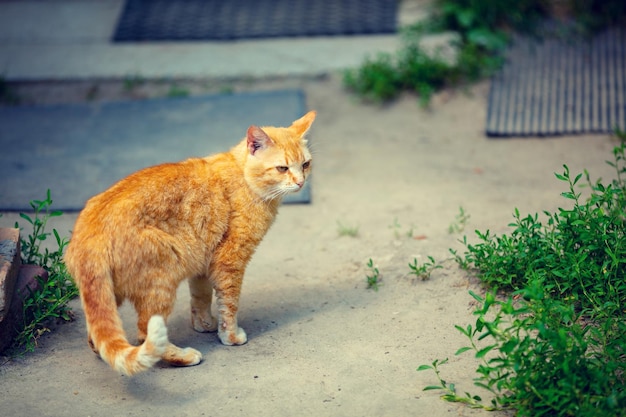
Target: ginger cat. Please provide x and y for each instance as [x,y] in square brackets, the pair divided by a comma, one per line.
[201,220]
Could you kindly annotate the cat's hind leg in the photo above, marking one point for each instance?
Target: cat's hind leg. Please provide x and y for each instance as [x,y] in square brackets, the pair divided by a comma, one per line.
[201,292]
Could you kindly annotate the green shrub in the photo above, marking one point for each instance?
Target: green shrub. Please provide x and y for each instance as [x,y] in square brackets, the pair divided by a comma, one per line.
[50,301]
[580,252]
[469,16]
[557,345]
[483,27]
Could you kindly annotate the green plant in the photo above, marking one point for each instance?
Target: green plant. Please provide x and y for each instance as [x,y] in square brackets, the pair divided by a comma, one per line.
[344,230]
[483,28]
[383,78]
[541,357]
[480,21]
[460,221]
[413,69]
[396,227]
[376,79]
[131,82]
[424,270]
[578,250]
[474,401]
[556,346]
[373,278]
[50,300]
[177,92]
[227,89]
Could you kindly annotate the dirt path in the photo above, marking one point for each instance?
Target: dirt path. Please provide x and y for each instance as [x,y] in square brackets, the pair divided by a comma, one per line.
[320,343]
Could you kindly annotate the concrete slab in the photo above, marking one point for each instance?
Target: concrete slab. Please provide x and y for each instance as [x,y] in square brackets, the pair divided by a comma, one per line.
[58,22]
[71,40]
[156,60]
[80,150]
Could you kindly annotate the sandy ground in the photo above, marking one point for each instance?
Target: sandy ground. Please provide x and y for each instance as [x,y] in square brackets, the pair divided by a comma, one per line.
[320,343]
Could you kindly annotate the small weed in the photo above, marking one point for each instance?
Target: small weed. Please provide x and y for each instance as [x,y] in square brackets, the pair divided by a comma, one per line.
[373,278]
[396,227]
[344,230]
[460,221]
[177,92]
[424,270]
[131,82]
[449,390]
[50,301]
[227,89]
[460,260]
[409,233]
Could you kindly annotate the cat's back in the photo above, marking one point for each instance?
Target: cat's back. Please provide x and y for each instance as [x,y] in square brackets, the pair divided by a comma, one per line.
[161,193]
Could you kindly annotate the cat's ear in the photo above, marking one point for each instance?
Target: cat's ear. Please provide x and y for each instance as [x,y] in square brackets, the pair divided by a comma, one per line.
[258,140]
[302,125]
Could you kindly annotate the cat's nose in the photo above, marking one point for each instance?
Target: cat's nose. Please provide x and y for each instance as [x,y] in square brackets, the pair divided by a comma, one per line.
[300,183]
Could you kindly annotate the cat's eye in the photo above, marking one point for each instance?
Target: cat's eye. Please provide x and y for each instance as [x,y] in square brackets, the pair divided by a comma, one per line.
[282,169]
[306,164]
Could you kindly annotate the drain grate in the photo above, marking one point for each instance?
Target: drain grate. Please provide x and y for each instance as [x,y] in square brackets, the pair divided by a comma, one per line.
[187,20]
[556,87]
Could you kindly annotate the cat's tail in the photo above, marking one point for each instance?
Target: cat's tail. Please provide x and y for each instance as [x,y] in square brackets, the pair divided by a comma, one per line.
[109,341]
[104,325]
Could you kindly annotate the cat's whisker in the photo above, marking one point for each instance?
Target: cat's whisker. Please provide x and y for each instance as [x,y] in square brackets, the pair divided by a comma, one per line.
[275,193]
[313,148]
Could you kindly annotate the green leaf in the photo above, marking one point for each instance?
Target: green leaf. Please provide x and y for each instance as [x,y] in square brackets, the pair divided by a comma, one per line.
[476,296]
[467,332]
[466,17]
[481,353]
[26,217]
[577,178]
[424,367]
[432,387]
[463,349]
[487,38]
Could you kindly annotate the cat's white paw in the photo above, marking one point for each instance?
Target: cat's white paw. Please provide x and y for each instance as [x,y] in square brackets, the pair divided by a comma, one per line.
[237,337]
[192,356]
[204,324]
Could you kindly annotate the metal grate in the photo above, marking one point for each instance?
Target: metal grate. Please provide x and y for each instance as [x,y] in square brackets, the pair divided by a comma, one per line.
[560,86]
[180,20]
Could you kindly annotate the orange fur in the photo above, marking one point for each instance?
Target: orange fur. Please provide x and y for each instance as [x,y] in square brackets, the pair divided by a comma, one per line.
[200,219]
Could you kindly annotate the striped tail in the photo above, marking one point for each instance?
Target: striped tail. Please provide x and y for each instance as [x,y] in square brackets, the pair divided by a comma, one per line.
[104,325]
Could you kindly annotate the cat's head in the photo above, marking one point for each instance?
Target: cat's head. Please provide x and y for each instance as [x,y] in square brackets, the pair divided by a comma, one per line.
[279,160]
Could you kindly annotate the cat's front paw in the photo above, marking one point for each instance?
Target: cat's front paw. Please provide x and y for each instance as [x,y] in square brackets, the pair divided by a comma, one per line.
[230,338]
[203,323]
